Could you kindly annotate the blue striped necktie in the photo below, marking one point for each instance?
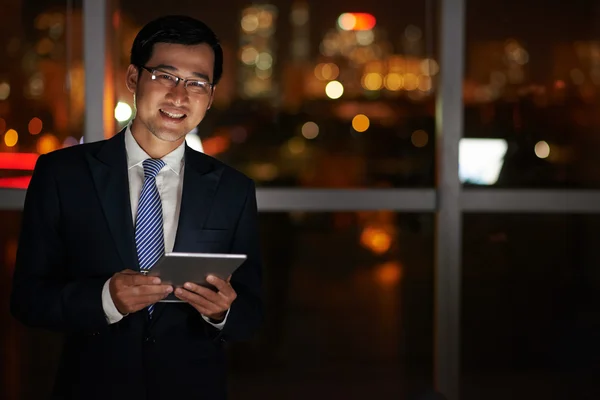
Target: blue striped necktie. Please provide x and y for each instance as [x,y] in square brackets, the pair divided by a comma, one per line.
[149,237]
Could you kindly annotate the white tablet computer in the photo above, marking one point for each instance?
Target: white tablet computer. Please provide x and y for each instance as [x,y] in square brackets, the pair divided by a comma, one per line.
[178,268]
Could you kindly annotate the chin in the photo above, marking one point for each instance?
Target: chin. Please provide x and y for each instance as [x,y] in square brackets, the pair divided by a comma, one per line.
[170,136]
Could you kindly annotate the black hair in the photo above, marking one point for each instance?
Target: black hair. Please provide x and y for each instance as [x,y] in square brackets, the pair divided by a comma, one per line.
[175,29]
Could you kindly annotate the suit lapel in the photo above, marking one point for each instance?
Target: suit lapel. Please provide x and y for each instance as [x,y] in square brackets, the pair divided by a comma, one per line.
[200,182]
[109,171]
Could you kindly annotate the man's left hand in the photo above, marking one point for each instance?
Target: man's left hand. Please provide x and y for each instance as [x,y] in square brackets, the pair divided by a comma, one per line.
[207,302]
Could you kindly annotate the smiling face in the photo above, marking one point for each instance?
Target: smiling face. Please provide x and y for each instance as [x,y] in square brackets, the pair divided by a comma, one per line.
[165,112]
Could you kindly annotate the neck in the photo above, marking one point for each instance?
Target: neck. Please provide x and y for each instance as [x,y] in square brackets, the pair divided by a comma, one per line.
[155,147]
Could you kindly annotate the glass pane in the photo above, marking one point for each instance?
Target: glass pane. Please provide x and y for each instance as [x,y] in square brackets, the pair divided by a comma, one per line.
[41,83]
[533,83]
[349,300]
[530,307]
[349,308]
[277,115]
[28,357]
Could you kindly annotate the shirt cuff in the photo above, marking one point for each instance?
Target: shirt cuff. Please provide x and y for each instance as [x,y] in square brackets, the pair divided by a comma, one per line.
[110,310]
[220,325]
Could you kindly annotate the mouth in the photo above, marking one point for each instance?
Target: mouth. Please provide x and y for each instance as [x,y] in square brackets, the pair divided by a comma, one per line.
[172,115]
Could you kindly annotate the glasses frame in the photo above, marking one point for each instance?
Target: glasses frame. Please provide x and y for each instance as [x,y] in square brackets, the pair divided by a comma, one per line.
[153,72]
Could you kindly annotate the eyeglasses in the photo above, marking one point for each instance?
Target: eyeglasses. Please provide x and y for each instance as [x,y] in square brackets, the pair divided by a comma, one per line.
[196,86]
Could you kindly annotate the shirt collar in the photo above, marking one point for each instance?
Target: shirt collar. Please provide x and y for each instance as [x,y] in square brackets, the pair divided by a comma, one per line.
[136,155]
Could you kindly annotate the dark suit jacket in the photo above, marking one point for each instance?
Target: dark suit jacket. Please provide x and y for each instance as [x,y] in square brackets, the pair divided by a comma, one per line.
[77,231]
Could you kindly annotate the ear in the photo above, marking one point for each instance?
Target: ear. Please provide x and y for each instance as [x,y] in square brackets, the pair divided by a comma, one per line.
[132,77]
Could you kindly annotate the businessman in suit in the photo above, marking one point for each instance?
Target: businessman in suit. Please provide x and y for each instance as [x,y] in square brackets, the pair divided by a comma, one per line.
[99,215]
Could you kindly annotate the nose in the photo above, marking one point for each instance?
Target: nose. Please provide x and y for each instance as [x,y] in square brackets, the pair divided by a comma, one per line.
[178,94]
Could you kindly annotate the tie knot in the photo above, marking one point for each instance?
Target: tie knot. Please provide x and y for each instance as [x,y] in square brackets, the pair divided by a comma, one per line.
[152,166]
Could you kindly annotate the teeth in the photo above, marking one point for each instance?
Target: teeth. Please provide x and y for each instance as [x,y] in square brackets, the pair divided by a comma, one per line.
[172,115]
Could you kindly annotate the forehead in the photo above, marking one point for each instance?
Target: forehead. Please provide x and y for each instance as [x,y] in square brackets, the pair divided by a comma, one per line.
[187,60]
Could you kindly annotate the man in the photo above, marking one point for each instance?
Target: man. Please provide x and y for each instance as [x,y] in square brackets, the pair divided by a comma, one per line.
[98,215]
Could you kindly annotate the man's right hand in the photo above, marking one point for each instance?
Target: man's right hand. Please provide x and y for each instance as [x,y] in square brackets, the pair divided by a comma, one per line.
[132,291]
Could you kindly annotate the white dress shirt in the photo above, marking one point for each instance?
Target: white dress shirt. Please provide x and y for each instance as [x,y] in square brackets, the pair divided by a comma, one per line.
[170,187]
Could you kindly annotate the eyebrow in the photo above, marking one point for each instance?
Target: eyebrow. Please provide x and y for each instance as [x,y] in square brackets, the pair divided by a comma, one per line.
[173,69]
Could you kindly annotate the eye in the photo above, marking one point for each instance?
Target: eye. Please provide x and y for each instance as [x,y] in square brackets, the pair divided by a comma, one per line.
[166,77]
[198,84]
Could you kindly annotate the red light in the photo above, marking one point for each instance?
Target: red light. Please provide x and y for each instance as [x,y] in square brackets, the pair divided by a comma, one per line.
[18,161]
[18,182]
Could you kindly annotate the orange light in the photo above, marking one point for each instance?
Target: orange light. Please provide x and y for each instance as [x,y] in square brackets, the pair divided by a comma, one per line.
[215,145]
[18,161]
[35,126]
[375,239]
[356,21]
[389,274]
[47,143]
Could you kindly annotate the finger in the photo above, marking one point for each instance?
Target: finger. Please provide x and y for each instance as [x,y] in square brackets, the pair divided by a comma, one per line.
[224,287]
[138,279]
[217,282]
[208,306]
[223,299]
[205,292]
[149,290]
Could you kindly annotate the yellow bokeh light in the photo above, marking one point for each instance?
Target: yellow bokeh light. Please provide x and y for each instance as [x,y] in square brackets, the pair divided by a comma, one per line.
[327,71]
[265,19]
[542,149]
[310,130]
[419,138]
[264,61]
[263,73]
[360,123]
[393,81]
[249,55]
[123,112]
[373,81]
[250,22]
[11,137]
[425,83]
[411,82]
[47,143]
[346,21]
[4,90]
[330,71]
[334,90]
[429,67]
[319,72]
[296,145]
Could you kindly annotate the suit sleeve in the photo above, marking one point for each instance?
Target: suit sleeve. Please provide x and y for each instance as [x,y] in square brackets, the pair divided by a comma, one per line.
[246,312]
[42,293]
